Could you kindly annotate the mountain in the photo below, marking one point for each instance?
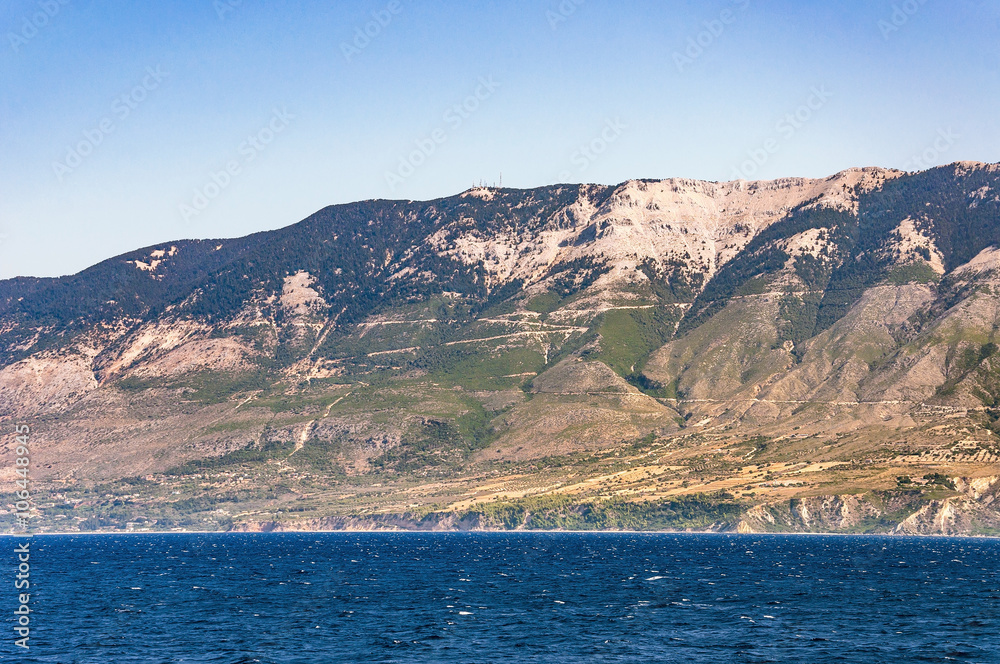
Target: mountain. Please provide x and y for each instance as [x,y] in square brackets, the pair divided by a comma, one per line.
[791,355]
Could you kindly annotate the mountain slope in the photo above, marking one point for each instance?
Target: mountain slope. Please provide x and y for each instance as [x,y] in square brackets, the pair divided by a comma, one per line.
[730,345]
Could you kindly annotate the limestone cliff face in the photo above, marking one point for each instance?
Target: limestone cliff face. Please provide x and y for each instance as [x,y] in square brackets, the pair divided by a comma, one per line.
[690,225]
[971,510]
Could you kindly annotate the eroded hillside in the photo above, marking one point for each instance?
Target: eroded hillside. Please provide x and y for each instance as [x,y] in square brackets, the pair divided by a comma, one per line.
[788,355]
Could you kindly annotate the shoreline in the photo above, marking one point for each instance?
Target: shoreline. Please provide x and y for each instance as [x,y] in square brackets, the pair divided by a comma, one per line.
[347,531]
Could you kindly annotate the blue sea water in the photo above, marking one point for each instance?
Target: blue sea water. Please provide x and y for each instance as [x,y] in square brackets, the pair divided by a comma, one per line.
[498,597]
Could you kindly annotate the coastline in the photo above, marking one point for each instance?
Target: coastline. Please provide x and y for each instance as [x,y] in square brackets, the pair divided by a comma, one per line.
[358,531]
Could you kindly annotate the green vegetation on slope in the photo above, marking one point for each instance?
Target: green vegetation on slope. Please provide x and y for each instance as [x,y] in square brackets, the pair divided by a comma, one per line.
[566,513]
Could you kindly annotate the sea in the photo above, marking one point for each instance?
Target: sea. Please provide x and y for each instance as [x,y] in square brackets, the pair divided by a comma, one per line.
[502,597]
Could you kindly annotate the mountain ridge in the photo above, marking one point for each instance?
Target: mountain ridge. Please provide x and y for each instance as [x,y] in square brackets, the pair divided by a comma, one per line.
[499,346]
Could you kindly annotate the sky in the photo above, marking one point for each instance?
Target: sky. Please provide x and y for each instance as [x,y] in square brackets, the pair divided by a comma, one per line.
[131,123]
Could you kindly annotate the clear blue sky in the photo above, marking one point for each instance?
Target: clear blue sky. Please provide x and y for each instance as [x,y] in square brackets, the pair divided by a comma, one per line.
[162,95]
